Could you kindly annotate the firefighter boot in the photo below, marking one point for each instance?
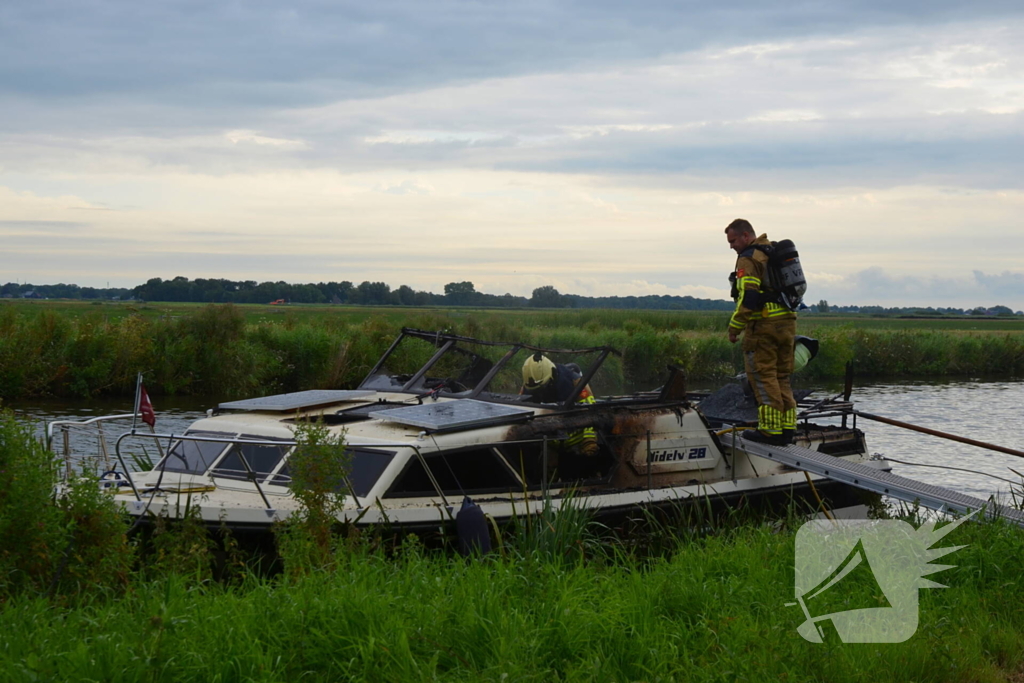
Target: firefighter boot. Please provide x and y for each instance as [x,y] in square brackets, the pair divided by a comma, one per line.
[769,427]
[789,425]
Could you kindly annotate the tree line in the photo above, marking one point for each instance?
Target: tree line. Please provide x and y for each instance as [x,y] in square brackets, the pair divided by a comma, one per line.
[14,290]
[824,306]
[219,290]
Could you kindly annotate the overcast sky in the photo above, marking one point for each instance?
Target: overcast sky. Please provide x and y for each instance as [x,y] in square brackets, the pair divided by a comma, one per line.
[600,147]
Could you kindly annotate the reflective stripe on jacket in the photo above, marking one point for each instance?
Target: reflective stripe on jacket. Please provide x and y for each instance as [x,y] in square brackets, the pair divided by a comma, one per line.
[584,440]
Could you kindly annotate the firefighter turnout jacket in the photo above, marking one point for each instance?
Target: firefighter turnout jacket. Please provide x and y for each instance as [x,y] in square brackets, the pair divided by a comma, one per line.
[755,300]
[584,441]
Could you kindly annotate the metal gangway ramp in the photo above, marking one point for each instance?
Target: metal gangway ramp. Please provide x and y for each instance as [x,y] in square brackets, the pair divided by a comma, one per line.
[871,479]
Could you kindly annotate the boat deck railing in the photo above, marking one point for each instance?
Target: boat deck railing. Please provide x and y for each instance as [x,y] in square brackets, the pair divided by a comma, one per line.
[61,430]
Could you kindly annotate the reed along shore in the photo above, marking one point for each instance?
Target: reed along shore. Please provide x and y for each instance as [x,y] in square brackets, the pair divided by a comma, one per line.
[82,350]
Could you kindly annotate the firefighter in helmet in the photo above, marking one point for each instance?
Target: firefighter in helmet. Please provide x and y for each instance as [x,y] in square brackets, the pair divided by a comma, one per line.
[548,382]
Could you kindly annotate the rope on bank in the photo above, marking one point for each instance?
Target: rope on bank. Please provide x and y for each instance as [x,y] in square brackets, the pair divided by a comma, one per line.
[820,501]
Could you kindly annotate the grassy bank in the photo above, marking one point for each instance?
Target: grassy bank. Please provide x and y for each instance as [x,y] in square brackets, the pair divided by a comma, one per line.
[713,610]
[564,600]
[87,350]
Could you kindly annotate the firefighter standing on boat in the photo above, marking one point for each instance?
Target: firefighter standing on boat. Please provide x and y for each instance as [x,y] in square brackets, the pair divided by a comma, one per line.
[769,331]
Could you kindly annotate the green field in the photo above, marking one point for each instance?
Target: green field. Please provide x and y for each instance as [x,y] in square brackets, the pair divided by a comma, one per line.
[567,317]
[72,348]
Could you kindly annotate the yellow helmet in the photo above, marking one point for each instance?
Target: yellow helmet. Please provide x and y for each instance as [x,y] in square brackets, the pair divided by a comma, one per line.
[537,371]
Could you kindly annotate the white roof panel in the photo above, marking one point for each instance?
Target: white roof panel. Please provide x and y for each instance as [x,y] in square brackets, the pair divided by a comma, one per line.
[453,414]
[294,401]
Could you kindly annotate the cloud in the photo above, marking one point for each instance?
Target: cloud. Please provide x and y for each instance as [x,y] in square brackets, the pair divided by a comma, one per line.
[13,227]
[266,54]
[876,286]
[407,187]
[427,137]
[248,136]
[890,105]
[785,116]
[582,144]
[1006,286]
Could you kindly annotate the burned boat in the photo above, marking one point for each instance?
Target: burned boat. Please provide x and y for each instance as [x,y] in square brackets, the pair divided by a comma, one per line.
[442,417]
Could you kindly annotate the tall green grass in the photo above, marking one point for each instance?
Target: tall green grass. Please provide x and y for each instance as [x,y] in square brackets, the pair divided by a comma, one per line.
[563,600]
[51,546]
[216,350]
[713,610]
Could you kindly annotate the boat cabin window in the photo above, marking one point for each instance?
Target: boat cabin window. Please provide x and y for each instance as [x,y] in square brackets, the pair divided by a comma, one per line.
[478,470]
[282,478]
[365,467]
[194,457]
[261,458]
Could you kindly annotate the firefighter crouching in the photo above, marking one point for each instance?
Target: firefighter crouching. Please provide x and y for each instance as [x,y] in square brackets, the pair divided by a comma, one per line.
[549,382]
[769,331]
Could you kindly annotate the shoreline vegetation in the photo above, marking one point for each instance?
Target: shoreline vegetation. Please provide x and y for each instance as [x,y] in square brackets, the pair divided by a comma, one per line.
[563,599]
[86,350]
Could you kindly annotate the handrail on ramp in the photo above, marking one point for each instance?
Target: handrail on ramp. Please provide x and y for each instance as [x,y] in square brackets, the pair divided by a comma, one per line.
[887,483]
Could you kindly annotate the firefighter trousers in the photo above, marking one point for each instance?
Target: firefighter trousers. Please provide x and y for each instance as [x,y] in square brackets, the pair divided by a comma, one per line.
[768,358]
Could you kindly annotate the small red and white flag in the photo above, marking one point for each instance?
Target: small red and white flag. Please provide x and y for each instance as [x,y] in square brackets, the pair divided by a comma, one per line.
[145,409]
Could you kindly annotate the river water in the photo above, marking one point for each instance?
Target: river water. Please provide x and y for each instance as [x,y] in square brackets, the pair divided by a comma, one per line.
[985,411]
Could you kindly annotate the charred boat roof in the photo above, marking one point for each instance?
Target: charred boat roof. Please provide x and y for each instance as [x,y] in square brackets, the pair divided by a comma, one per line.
[460,367]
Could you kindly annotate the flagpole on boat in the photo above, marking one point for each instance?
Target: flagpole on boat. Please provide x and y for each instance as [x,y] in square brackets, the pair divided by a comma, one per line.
[149,416]
[135,410]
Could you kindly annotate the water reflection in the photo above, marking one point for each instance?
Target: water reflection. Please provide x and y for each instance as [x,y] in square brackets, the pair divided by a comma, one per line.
[985,411]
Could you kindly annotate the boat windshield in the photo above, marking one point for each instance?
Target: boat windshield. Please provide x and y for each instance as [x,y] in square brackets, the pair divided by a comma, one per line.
[194,455]
[422,362]
[261,459]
